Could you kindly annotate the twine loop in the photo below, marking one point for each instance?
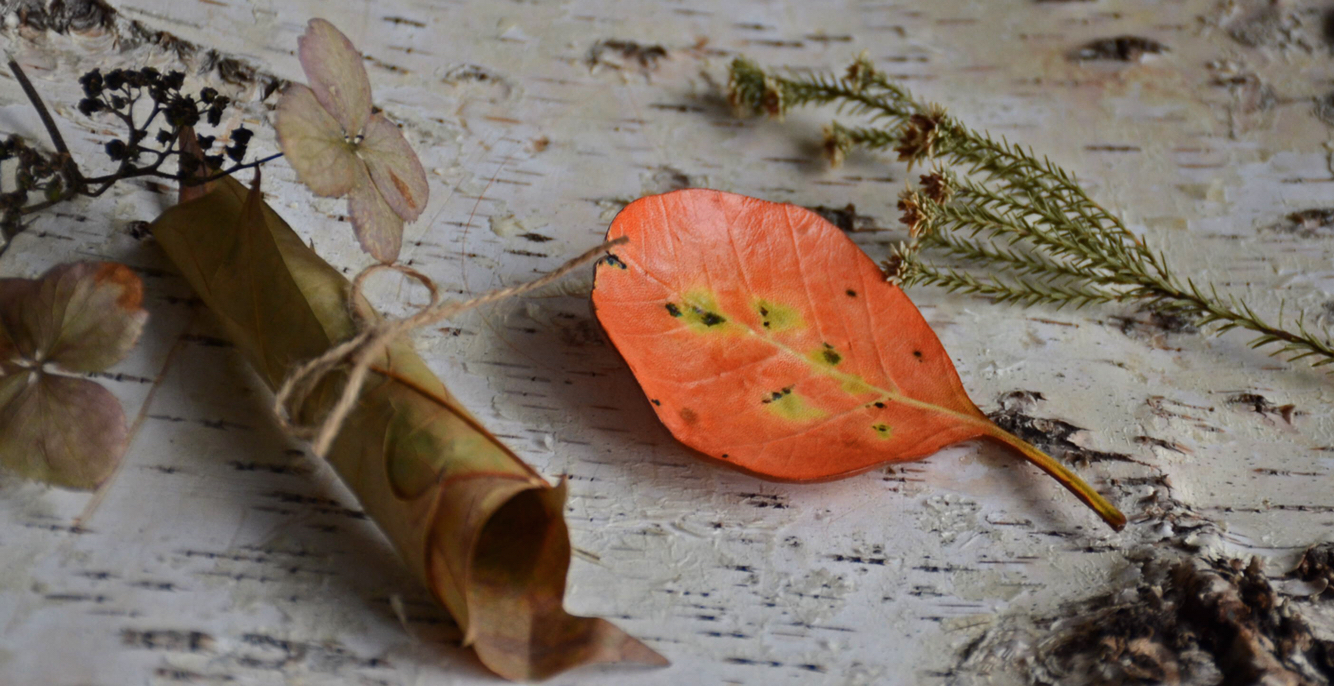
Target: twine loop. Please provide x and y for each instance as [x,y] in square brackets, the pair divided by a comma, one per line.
[373,337]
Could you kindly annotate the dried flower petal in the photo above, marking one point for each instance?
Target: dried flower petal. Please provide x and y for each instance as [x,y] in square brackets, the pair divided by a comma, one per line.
[314,144]
[83,316]
[836,144]
[337,76]
[65,431]
[394,167]
[381,234]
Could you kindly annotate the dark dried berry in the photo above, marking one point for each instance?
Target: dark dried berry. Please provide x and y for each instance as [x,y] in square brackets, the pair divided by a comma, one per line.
[118,102]
[206,142]
[207,95]
[182,111]
[235,152]
[242,135]
[115,79]
[164,136]
[92,83]
[90,106]
[174,80]
[214,161]
[117,150]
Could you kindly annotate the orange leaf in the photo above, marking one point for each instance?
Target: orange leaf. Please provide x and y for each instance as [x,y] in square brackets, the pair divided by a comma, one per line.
[765,338]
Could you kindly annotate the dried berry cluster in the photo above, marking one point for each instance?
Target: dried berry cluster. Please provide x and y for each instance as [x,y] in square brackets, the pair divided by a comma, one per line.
[37,172]
[152,109]
[119,92]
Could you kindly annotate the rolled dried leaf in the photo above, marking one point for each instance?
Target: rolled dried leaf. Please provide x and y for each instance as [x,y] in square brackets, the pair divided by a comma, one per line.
[482,529]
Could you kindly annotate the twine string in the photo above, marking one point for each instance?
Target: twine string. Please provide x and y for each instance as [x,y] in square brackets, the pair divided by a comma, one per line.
[373,337]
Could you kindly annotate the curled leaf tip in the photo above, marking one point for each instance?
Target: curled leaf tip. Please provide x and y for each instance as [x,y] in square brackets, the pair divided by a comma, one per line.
[478,526]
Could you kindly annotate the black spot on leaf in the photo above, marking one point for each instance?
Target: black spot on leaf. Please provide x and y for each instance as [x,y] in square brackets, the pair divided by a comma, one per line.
[710,318]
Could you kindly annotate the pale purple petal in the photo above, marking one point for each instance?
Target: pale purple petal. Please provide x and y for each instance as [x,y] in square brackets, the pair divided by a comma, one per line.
[336,74]
[313,143]
[394,167]
[378,227]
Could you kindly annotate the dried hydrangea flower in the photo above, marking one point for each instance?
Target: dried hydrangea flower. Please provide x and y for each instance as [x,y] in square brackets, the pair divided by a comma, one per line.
[339,146]
[76,319]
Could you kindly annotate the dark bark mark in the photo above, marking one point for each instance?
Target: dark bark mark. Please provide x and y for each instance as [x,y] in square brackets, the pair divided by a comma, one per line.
[1317,565]
[1147,323]
[1263,406]
[167,639]
[1188,621]
[404,21]
[1117,49]
[845,218]
[270,468]
[646,56]
[763,500]
[66,16]
[1309,223]
[1053,436]
[666,178]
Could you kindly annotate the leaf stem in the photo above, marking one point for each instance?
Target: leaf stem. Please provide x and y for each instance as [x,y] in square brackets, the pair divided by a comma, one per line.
[1063,476]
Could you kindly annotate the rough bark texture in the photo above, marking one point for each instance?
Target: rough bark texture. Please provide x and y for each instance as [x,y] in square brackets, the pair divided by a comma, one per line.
[220,553]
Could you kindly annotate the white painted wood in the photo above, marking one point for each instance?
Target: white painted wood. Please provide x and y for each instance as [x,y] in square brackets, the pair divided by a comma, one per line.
[221,554]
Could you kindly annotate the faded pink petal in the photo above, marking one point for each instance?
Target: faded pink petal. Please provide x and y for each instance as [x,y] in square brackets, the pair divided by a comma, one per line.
[336,74]
[101,314]
[65,431]
[378,227]
[83,316]
[313,143]
[394,167]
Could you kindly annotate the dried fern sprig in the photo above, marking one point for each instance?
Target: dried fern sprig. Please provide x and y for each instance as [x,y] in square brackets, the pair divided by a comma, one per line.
[1018,228]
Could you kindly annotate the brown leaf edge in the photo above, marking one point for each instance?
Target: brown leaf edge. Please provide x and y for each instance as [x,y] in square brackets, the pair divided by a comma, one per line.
[504,585]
